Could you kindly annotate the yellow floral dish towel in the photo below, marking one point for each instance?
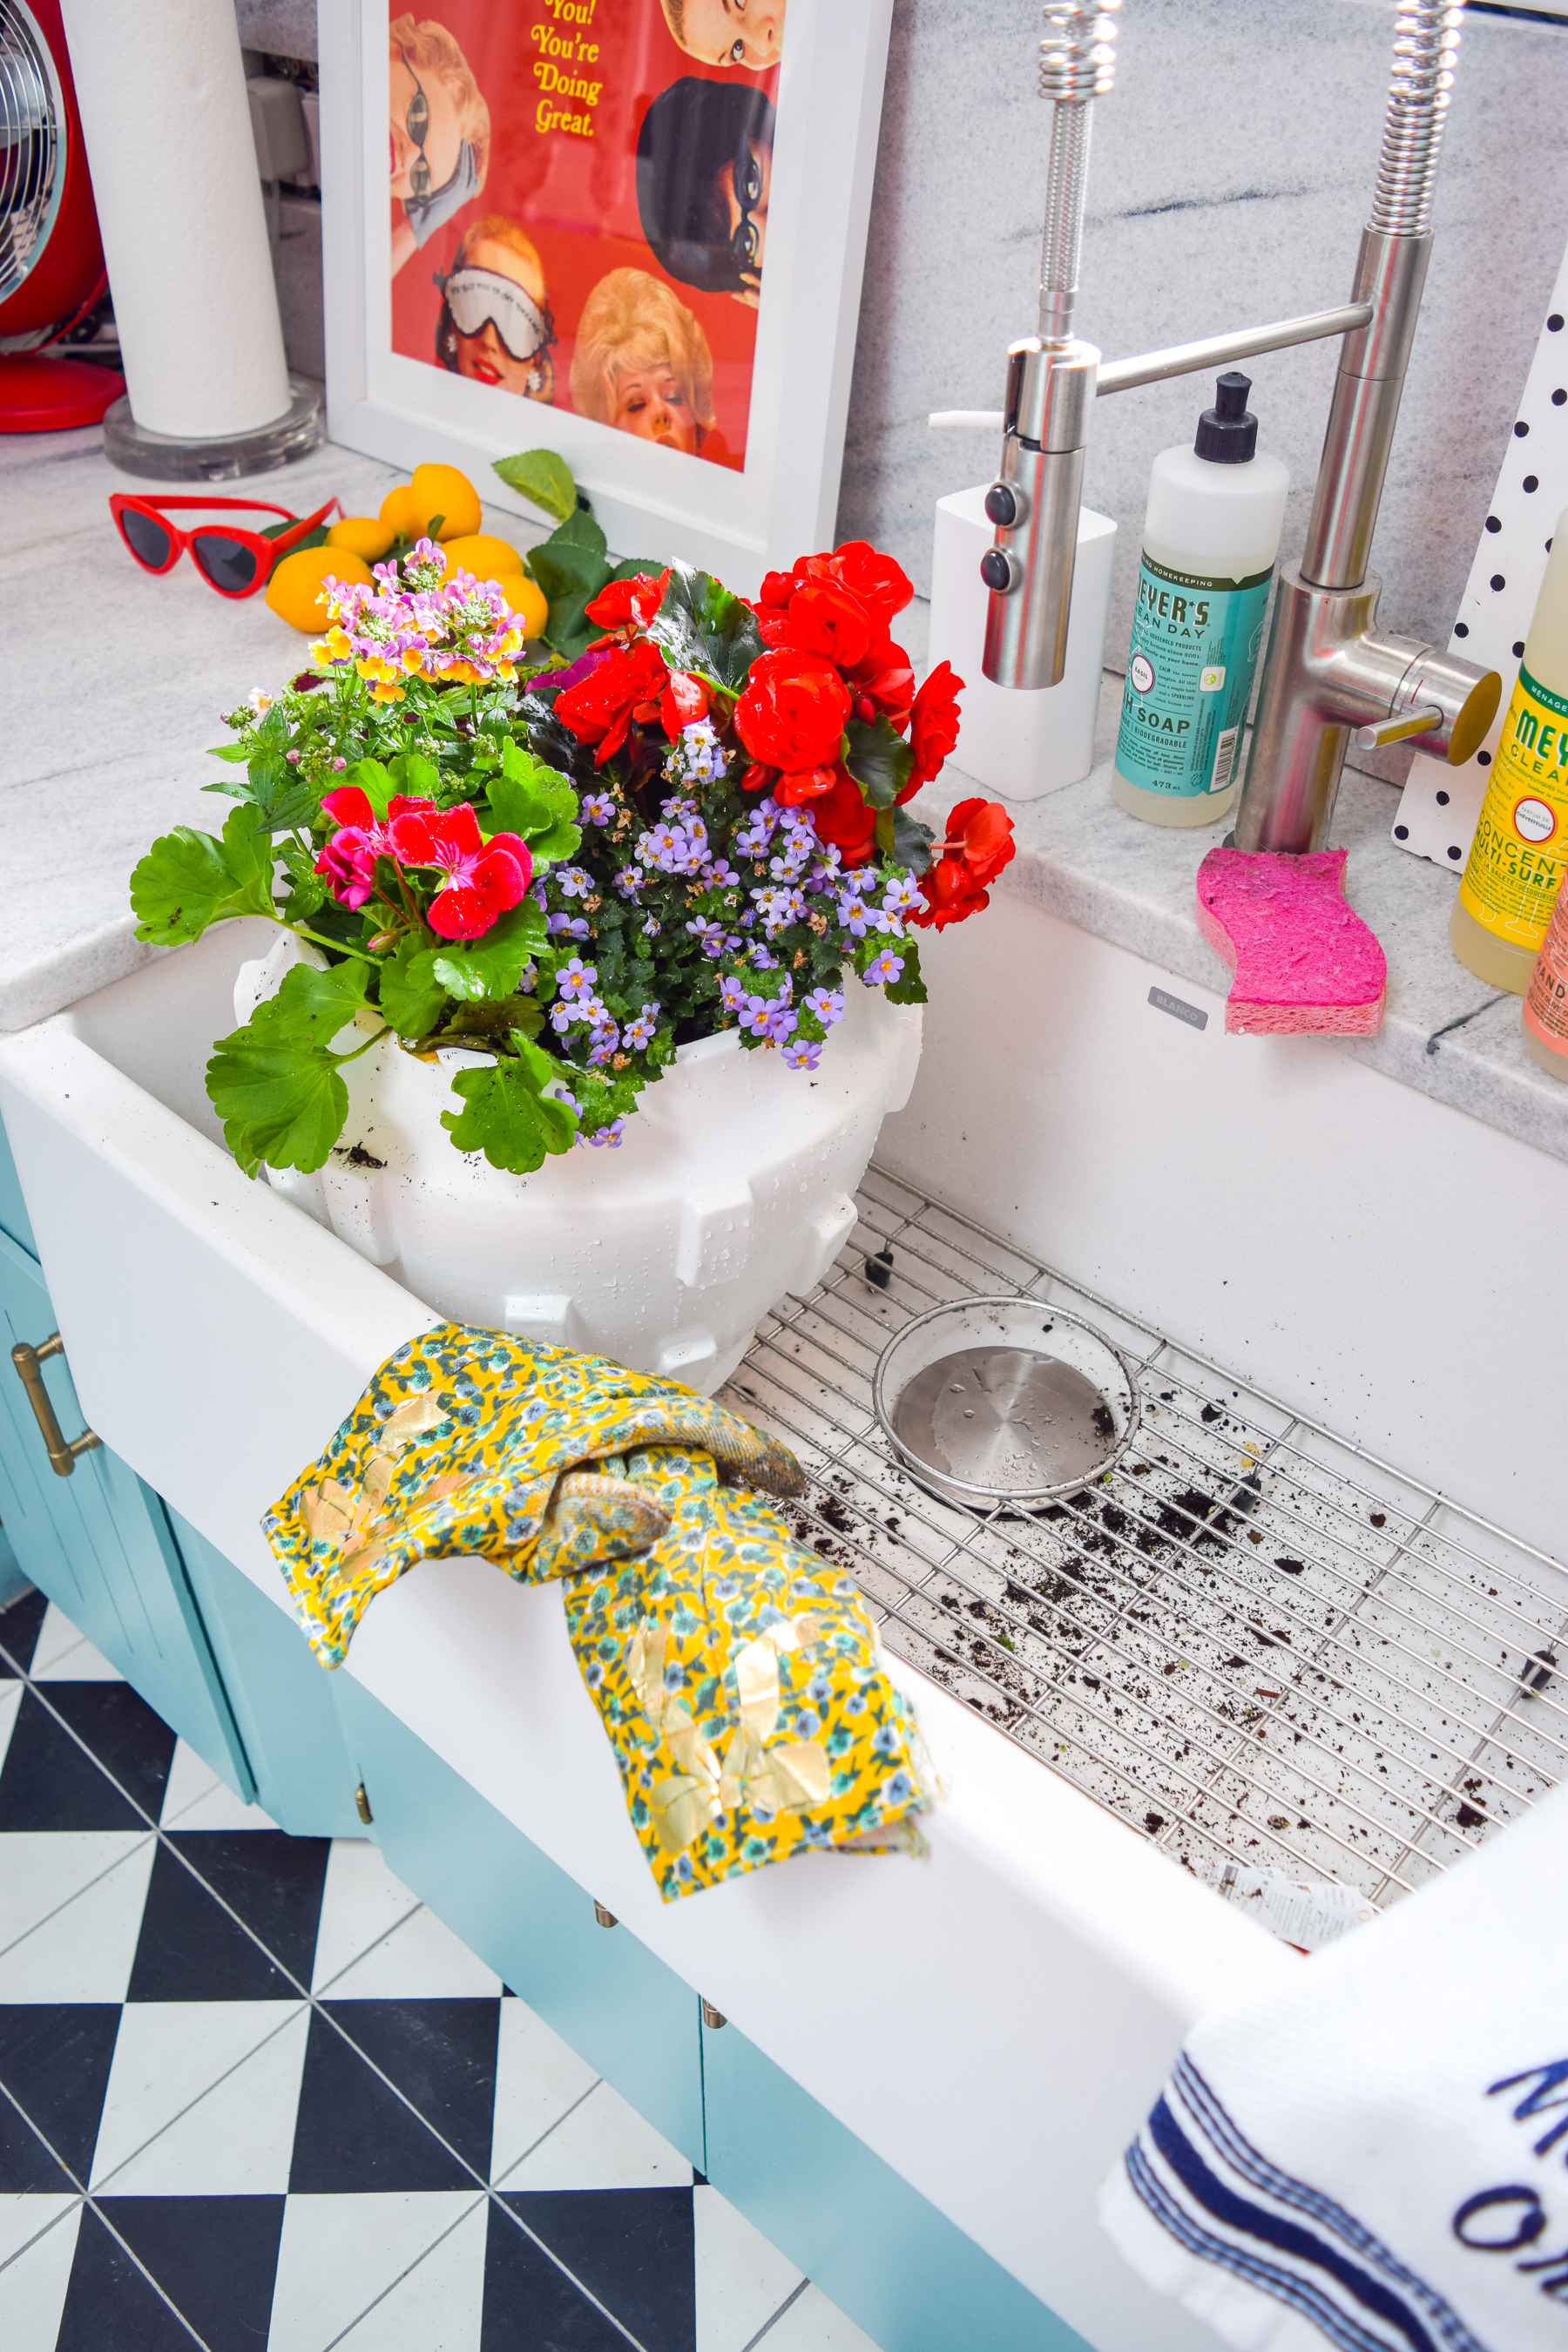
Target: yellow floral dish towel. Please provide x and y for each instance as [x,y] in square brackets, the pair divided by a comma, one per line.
[737,1675]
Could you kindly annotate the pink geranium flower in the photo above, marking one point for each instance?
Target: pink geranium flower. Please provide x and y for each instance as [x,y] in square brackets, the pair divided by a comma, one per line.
[483,877]
[347,864]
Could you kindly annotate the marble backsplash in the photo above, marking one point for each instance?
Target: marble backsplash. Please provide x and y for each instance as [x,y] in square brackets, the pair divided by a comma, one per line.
[1231,172]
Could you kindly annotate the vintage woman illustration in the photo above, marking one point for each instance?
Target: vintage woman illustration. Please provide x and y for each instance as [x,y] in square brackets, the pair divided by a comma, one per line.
[496,325]
[439,132]
[642,365]
[705,162]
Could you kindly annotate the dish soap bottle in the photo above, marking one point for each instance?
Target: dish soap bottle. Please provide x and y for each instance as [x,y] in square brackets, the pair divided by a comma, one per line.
[1520,843]
[1546,999]
[1210,538]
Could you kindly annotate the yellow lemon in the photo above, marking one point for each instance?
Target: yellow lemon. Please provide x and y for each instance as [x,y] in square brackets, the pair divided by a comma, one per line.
[443,490]
[397,510]
[296,583]
[477,552]
[527,600]
[365,535]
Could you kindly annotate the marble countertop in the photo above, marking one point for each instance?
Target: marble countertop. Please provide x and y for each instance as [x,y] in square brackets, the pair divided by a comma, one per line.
[112,681]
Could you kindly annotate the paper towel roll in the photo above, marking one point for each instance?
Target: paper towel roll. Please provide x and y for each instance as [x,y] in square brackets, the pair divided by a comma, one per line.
[161,85]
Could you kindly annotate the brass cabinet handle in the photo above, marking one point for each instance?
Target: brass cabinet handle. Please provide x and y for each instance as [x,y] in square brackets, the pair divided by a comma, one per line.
[28,1361]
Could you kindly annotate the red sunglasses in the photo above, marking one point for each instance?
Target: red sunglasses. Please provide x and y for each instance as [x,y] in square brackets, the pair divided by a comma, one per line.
[236,563]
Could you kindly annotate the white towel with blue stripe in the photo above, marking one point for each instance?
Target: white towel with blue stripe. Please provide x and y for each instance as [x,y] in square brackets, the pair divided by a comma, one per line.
[1378,2157]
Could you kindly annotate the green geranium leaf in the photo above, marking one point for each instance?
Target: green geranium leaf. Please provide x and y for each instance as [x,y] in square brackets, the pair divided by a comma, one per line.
[373,780]
[703,628]
[544,479]
[306,891]
[492,967]
[189,880]
[417,779]
[878,759]
[412,999]
[533,799]
[909,988]
[506,1113]
[275,1083]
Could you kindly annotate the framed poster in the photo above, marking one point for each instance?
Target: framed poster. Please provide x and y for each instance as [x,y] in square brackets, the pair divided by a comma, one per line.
[631,231]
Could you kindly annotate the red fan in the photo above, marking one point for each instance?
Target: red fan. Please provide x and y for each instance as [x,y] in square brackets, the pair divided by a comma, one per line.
[51,261]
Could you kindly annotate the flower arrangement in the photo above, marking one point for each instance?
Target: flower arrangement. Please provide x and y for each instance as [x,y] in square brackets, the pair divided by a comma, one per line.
[574,867]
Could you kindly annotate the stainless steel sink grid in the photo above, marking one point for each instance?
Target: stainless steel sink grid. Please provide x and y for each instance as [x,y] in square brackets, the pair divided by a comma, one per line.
[1252,1640]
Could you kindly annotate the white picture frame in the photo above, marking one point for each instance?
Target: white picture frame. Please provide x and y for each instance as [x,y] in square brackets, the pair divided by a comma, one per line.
[649,501]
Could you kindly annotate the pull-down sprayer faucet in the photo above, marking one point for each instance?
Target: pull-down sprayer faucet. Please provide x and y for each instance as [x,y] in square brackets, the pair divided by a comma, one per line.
[1327,672]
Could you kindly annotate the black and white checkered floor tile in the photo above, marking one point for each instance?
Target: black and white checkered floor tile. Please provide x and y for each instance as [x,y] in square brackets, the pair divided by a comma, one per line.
[253,2094]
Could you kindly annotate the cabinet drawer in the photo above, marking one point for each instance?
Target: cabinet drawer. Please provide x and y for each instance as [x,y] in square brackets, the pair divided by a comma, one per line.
[99,1545]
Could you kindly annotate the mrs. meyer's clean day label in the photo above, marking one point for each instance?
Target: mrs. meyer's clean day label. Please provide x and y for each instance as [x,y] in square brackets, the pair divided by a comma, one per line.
[1189,676]
[1210,537]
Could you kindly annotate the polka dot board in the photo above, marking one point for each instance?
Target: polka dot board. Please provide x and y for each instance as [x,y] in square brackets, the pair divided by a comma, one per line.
[1438,810]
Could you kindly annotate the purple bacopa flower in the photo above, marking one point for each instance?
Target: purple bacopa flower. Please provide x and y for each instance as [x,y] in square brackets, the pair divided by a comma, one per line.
[732,992]
[902,893]
[638,1031]
[883,970]
[576,979]
[651,929]
[696,755]
[777,908]
[755,1013]
[596,808]
[572,882]
[610,1135]
[827,1003]
[709,934]
[628,881]
[781,1023]
[802,1052]
[721,875]
[761,958]
[572,927]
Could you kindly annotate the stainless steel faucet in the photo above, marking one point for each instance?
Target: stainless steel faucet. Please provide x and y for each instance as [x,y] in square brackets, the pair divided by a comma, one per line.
[1327,672]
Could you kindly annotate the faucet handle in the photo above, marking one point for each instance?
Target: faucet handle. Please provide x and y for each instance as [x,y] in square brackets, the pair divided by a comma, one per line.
[1394,730]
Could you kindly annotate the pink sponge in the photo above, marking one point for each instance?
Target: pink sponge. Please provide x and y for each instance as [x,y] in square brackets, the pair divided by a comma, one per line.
[1303,960]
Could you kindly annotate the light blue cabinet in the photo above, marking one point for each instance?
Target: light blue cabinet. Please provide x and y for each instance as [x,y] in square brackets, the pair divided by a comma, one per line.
[884,2253]
[100,1544]
[622,2010]
[282,1700]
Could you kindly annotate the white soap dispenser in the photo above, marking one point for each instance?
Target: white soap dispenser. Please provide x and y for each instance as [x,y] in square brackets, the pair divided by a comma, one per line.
[1210,538]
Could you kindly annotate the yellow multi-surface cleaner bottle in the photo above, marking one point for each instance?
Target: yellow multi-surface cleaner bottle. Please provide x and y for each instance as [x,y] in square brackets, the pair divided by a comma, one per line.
[1520,847]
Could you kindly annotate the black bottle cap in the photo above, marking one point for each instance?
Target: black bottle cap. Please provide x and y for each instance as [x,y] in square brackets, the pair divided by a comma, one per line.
[1227,434]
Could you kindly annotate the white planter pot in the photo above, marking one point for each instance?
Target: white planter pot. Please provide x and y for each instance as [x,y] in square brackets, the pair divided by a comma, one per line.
[733,1186]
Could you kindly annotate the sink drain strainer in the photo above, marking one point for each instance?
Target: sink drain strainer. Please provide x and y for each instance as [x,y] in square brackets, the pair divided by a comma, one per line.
[1004,1399]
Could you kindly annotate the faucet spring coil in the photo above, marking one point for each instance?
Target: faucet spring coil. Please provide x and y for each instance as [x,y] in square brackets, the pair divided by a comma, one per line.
[1077,56]
[1425,37]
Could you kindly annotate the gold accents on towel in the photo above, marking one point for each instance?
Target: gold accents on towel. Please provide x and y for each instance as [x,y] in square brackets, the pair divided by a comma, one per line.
[737,1675]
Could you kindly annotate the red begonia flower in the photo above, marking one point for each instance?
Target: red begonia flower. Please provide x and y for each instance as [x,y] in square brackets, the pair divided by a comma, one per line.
[933,727]
[792,711]
[483,877]
[981,833]
[805,784]
[843,817]
[874,578]
[347,864]
[629,602]
[755,777]
[683,701]
[950,895]
[826,619]
[600,708]
[885,682]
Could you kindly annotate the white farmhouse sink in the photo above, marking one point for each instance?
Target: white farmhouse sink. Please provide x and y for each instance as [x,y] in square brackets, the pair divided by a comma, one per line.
[998,2018]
